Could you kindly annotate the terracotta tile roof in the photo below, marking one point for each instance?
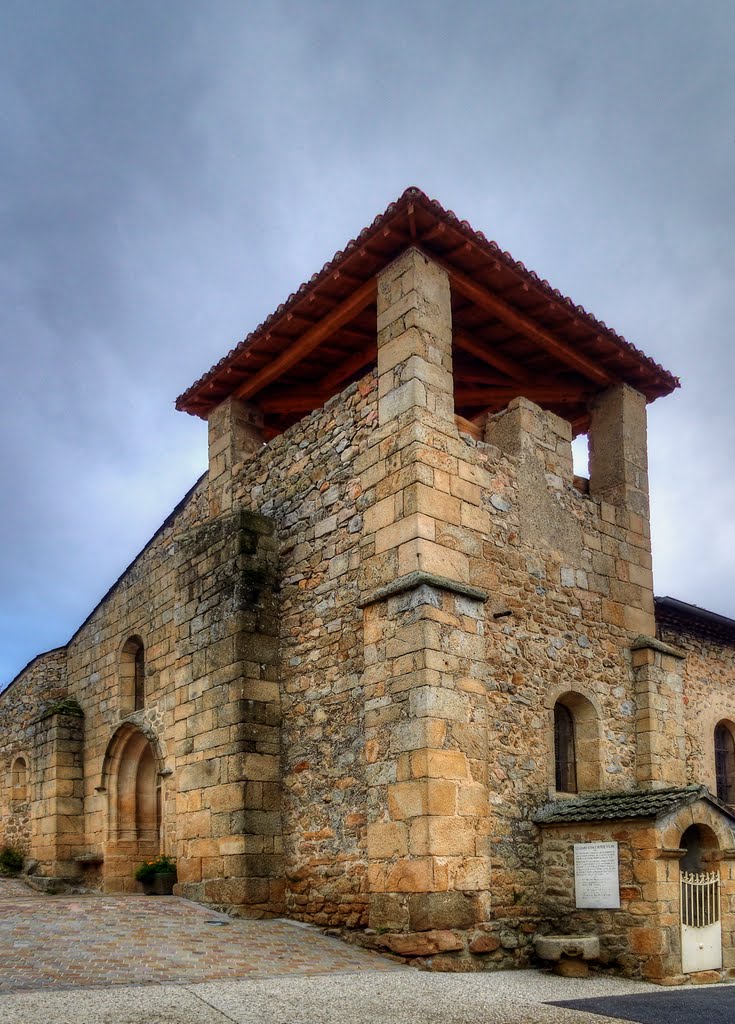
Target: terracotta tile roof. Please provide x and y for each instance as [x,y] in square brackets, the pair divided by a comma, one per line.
[648,803]
[415,219]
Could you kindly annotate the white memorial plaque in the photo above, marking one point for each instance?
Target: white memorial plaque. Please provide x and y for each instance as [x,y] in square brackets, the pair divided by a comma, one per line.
[596,881]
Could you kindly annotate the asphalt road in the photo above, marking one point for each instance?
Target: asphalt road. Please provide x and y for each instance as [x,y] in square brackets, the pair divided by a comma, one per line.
[713,1004]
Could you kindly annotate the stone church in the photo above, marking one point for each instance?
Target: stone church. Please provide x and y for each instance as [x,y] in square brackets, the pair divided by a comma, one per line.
[391,667]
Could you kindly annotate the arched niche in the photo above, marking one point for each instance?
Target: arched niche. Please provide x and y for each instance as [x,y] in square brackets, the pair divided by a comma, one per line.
[131,780]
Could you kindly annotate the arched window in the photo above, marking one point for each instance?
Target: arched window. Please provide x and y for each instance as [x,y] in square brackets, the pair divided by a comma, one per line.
[575,743]
[19,781]
[132,676]
[565,755]
[725,763]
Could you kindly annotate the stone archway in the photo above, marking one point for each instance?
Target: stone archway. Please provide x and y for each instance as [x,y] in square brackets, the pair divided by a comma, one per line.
[131,781]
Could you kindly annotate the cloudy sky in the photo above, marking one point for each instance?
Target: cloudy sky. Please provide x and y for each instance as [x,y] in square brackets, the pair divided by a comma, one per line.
[169,172]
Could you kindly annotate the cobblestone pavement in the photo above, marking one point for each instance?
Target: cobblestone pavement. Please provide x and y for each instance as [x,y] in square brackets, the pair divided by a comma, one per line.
[64,942]
[11,888]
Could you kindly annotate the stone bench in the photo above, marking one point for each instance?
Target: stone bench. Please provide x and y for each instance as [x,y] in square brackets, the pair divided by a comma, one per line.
[568,953]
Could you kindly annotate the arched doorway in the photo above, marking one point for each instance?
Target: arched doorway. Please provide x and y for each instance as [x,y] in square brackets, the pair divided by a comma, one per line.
[699,883]
[131,781]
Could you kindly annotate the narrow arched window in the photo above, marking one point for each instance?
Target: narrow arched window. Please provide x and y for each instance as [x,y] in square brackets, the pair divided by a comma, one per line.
[725,763]
[565,758]
[19,780]
[132,676]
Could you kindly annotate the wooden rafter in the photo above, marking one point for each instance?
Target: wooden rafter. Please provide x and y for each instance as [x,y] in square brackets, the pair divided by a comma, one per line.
[310,340]
[361,358]
[487,354]
[524,325]
[462,376]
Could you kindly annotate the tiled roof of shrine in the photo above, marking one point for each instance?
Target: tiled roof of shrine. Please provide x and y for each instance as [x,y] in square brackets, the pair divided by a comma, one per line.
[617,806]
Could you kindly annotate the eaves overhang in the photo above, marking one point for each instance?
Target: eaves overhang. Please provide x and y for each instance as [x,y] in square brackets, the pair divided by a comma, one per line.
[514,329]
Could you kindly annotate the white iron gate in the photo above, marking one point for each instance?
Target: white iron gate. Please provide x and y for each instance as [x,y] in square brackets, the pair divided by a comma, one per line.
[701,927]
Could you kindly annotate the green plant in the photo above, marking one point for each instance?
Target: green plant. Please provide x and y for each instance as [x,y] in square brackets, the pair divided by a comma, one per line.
[162,865]
[11,860]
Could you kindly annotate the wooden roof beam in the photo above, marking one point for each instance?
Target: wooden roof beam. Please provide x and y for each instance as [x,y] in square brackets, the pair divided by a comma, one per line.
[468,427]
[299,400]
[525,326]
[361,358]
[481,379]
[310,340]
[489,396]
[488,355]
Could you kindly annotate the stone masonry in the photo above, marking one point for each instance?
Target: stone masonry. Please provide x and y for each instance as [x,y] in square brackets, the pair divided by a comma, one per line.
[328,685]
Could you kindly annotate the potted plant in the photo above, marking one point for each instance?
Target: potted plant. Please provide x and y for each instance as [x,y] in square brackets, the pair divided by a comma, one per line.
[11,861]
[157,876]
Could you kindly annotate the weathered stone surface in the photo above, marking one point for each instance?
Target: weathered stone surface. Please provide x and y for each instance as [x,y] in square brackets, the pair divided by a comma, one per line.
[440,910]
[571,968]
[423,943]
[484,943]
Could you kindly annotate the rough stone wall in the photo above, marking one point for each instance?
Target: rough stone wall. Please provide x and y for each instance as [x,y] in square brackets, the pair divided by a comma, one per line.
[553,561]
[21,703]
[558,564]
[620,944]
[16,827]
[305,481]
[708,695]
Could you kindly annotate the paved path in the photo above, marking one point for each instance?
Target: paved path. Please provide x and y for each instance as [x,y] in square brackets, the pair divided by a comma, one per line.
[163,960]
[62,942]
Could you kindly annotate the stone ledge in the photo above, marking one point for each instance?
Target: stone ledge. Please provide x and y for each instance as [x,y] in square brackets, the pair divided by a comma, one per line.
[418,579]
[650,643]
[54,885]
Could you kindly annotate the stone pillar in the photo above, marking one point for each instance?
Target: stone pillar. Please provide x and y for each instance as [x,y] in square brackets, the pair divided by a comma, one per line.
[228,717]
[660,736]
[619,449]
[235,433]
[619,478]
[425,701]
[414,339]
[426,748]
[58,789]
